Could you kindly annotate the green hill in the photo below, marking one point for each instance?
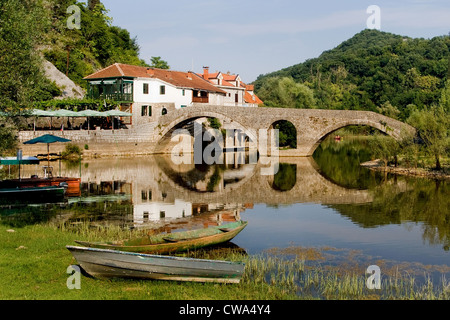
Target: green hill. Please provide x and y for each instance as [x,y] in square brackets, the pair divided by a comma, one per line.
[373,69]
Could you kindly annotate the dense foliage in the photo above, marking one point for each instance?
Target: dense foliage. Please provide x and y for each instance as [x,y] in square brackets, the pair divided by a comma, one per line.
[372,70]
[95,45]
[31,30]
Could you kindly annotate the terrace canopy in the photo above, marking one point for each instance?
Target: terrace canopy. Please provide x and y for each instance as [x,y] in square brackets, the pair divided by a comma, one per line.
[84,113]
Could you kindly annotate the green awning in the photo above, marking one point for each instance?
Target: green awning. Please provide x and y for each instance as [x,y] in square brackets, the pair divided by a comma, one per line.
[117,113]
[91,113]
[66,113]
[83,113]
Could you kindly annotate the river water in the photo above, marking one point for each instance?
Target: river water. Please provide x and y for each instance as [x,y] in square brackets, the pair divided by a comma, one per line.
[329,204]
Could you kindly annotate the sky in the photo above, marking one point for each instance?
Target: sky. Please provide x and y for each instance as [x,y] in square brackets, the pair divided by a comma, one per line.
[254,37]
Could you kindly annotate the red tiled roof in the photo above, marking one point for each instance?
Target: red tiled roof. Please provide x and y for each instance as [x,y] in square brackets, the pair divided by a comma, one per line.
[249,98]
[179,79]
[229,77]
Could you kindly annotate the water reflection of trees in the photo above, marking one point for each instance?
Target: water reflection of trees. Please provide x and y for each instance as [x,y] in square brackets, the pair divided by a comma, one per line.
[405,199]
[339,162]
[286,177]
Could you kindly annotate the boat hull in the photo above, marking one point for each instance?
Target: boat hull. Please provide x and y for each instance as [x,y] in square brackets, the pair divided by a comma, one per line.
[181,245]
[32,195]
[101,263]
[73,184]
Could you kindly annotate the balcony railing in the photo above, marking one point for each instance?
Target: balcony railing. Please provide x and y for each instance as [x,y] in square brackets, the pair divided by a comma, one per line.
[122,97]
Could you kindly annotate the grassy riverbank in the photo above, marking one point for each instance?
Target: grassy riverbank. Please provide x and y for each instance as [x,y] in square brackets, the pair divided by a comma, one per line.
[34,262]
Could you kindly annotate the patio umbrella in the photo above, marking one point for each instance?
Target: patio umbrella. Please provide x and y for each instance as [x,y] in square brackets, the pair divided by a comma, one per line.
[47,138]
[65,113]
[42,113]
[117,113]
[91,113]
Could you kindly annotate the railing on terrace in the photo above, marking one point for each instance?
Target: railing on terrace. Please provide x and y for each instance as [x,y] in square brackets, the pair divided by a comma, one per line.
[126,97]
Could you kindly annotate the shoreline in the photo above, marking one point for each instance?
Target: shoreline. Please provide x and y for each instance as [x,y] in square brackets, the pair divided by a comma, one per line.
[378,165]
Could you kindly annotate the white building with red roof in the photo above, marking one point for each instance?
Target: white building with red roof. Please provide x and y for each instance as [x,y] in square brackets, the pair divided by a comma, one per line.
[237,92]
[149,93]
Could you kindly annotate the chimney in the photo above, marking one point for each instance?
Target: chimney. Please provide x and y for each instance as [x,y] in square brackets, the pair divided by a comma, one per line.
[206,73]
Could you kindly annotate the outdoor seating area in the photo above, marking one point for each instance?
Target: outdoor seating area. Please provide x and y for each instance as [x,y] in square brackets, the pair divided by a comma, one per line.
[44,120]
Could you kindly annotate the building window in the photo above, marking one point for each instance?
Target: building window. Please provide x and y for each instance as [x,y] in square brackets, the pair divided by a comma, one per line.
[144,111]
[184,106]
[149,111]
[162,90]
[145,88]
[164,111]
[236,98]
[183,92]
[162,214]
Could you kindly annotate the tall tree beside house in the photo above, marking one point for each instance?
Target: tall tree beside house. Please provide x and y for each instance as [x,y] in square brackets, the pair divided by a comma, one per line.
[97,44]
[21,78]
[93,3]
[157,62]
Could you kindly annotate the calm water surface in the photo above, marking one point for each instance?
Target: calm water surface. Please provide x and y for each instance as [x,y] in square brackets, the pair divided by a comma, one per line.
[327,202]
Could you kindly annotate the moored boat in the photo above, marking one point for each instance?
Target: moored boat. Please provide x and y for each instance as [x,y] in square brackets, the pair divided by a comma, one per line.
[174,242]
[32,195]
[72,184]
[104,263]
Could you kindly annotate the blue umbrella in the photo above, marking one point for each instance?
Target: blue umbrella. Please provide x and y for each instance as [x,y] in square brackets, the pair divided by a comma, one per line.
[47,138]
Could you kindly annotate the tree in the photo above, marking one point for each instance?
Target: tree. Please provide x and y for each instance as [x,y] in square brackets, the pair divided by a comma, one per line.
[433,125]
[286,93]
[385,148]
[388,110]
[21,79]
[8,133]
[445,97]
[158,63]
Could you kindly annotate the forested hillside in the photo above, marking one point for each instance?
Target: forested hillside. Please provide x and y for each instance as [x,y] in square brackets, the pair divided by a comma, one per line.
[373,70]
[31,30]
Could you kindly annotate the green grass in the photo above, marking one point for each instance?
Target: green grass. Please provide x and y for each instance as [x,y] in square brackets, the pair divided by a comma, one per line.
[34,262]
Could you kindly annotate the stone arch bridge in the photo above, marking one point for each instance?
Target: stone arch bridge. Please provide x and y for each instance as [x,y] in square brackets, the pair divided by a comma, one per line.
[312,125]
[155,136]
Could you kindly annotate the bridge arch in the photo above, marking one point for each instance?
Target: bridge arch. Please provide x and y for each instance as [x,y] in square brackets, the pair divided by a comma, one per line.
[183,118]
[380,125]
[290,131]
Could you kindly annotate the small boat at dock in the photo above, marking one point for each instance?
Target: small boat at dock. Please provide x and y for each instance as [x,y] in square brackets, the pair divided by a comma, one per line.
[32,195]
[174,242]
[104,263]
[72,184]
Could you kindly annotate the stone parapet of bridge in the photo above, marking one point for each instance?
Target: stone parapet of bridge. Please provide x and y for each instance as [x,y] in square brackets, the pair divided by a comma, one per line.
[312,126]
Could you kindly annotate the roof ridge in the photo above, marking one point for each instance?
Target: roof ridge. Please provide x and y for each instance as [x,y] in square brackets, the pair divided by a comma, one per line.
[119,68]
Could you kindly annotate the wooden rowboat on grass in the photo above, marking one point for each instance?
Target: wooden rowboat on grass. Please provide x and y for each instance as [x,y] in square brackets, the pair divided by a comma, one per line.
[102,263]
[174,242]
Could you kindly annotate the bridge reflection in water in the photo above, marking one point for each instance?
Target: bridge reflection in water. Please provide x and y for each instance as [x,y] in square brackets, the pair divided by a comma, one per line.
[163,192]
